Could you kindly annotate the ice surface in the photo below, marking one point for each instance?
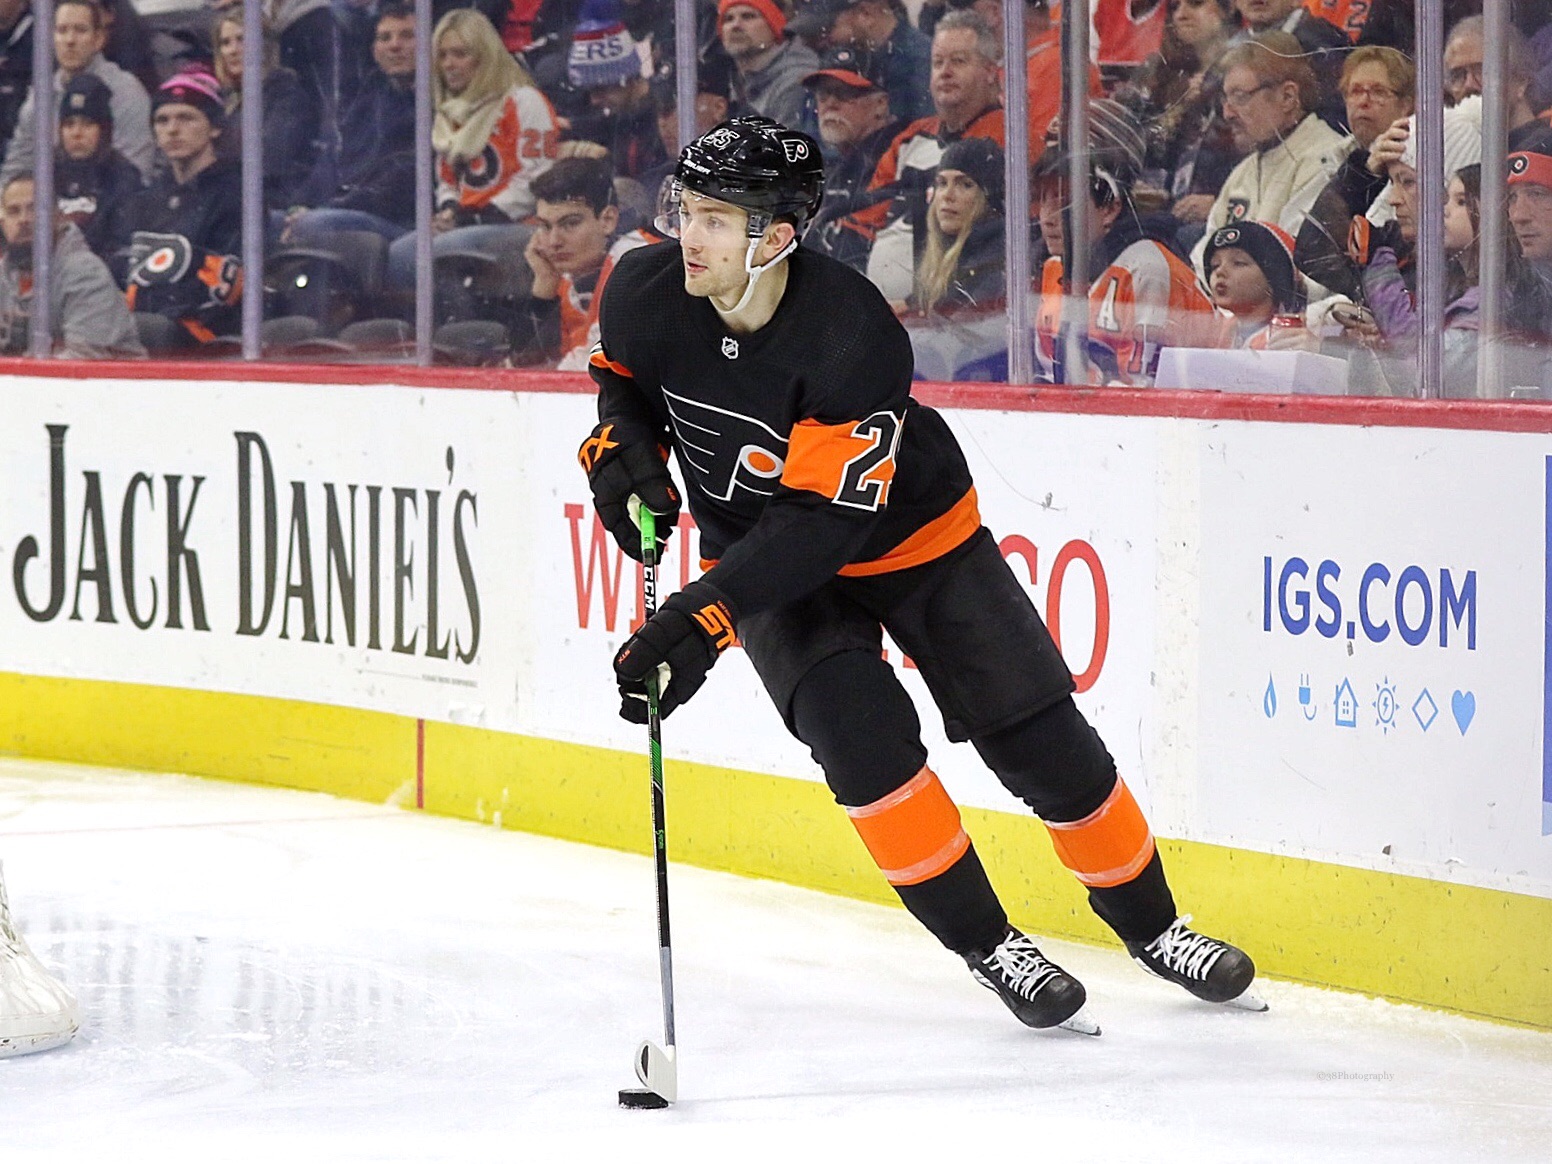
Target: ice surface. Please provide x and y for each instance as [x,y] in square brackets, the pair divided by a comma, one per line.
[286,976]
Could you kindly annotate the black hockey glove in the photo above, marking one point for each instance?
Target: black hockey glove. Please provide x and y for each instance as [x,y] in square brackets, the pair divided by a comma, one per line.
[621,464]
[685,636]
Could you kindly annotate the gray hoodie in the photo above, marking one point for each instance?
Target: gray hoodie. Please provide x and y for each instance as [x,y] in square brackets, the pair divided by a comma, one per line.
[776,91]
[91,320]
[131,121]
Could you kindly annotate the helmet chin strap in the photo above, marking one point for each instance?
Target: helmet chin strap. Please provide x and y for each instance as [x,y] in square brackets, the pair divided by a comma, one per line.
[755,272]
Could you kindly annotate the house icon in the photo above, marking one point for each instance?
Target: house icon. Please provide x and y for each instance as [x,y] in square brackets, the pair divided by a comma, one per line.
[1346,706]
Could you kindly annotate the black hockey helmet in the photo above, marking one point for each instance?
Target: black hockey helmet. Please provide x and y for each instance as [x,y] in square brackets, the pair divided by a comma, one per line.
[758,165]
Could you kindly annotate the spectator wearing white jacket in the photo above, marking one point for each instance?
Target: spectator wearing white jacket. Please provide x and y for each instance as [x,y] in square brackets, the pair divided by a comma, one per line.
[1268,95]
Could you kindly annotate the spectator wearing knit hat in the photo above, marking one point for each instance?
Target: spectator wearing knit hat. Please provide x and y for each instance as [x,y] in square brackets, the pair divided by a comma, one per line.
[1530,285]
[605,63]
[769,67]
[1142,297]
[1251,274]
[79,34]
[855,128]
[181,238]
[961,267]
[93,181]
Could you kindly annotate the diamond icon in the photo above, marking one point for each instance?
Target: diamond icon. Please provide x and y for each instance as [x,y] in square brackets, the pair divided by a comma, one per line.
[1425,710]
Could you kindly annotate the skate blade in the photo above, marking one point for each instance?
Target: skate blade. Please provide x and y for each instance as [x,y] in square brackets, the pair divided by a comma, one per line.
[1248,999]
[1081,1023]
[656,1069]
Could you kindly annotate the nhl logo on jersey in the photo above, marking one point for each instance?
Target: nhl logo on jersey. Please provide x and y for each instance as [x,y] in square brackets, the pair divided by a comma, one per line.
[730,347]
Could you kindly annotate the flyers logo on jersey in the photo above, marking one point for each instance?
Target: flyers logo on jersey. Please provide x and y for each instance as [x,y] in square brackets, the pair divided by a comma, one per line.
[733,457]
[851,463]
[714,619]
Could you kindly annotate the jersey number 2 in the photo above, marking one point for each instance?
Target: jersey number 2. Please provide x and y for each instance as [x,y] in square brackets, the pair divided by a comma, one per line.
[866,477]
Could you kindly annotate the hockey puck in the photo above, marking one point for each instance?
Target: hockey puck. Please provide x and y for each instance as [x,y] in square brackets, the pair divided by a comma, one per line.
[640,1097]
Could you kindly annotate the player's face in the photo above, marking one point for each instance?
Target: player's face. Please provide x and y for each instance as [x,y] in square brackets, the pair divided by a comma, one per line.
[1403,198]
[572,236]
[713,242]
[1459,232]
[1373,104]
[1530,214]
[1237,283]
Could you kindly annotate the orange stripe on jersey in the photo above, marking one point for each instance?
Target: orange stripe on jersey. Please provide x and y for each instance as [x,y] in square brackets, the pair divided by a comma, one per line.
[1108,847]
[914,833]
[933,540]
[851,463]
[598,360]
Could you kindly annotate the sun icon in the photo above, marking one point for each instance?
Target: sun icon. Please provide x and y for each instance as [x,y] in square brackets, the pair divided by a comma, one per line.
[1385,705]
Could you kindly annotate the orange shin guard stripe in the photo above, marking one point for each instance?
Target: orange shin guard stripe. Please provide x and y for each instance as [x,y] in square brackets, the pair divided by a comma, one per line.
[1108,847]
[913,833]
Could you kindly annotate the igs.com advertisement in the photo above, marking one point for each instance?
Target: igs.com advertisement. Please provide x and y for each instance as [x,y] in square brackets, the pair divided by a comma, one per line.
[1374,622]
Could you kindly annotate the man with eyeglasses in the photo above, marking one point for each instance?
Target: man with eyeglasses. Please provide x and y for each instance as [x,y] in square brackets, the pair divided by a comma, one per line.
[1378,87]
[1268,94]
[1322,44]
[1463,56]
[572,251]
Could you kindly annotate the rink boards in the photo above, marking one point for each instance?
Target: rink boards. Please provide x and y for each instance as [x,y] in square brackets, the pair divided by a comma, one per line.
[1314,635]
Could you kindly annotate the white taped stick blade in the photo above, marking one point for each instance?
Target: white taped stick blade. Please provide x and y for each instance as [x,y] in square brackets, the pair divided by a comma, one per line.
[37,1011]
[656,1069]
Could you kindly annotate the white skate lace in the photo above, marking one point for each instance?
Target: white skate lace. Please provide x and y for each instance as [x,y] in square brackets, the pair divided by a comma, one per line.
[1021,965]
[1185,951]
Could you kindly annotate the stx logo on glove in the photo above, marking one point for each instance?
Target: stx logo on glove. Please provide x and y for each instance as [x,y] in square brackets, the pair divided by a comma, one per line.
[595,447]
[715,620]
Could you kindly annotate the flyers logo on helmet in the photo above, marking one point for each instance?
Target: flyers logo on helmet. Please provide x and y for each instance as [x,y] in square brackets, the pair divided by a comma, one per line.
[795,148]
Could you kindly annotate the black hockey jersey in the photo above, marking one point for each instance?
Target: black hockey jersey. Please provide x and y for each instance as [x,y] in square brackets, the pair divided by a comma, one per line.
[802,453]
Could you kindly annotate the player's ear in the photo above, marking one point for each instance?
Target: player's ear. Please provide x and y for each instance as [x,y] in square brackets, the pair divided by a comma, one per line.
[777,236]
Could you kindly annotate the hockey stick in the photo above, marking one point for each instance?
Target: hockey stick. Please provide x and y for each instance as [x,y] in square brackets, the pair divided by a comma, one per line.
[656,1067]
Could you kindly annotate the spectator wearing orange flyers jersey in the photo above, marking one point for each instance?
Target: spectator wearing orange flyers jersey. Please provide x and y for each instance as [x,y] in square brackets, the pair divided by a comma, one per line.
[1347,15]
[1128,31]
[1142,298]
[494,134]
[494,131]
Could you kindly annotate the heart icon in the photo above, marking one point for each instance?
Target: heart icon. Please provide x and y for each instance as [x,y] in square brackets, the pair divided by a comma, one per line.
[1464,705]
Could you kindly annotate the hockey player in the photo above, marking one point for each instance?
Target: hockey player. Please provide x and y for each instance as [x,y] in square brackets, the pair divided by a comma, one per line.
[834,506]
[1141,293]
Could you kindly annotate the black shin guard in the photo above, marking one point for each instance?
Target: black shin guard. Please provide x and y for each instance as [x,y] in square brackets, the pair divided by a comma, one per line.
[862,728]
[1056,763]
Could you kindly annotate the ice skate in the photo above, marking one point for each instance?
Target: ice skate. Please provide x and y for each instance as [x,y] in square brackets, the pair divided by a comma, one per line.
[37,1011]
[1212,970]
[1038,991]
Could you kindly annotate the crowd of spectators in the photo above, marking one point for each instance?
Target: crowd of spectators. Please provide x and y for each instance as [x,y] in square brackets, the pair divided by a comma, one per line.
[1253,182]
